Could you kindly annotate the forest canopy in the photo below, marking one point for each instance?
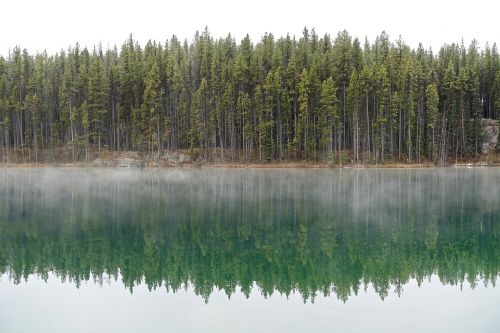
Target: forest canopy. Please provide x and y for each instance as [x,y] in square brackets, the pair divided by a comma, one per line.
[310,98]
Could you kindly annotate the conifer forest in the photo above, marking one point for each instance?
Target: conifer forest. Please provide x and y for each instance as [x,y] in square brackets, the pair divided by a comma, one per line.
[305,98]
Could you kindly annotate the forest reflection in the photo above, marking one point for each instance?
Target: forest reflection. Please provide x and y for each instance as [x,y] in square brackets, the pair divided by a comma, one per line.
[330,232]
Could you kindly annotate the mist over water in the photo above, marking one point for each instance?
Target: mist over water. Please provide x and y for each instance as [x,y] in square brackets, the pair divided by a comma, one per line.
[310,235]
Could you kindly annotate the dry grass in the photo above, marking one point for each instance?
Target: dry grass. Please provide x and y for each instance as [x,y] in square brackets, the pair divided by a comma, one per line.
[62,158]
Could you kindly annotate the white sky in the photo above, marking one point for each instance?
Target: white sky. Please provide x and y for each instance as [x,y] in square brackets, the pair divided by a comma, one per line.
[55,24]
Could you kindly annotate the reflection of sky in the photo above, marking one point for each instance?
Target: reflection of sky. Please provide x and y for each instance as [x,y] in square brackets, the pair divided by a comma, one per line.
[54,306]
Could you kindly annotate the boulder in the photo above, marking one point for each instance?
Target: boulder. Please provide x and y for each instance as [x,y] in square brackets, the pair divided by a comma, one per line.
[176,158]
[490,135]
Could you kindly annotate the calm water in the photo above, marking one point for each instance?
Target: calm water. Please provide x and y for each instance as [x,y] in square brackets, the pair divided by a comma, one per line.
[225,250]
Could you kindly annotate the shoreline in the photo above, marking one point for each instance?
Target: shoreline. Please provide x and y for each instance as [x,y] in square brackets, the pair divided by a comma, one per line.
[237,165]
[182,159]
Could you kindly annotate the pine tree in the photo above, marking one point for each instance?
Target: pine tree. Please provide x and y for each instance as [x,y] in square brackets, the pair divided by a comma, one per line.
[151,108]
[303,132]
[355,102]
[97,101]
[432,98]
[267,122]
[329,117]
[244,105]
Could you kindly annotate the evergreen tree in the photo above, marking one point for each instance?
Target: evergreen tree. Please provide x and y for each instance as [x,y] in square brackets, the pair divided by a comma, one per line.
[432,98]
[151,109]
[283,98]
[329,118]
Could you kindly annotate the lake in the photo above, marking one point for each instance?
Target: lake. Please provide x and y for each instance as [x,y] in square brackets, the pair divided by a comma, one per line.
[249,250]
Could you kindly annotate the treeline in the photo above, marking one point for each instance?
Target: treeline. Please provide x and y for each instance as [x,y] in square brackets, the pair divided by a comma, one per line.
[316,99]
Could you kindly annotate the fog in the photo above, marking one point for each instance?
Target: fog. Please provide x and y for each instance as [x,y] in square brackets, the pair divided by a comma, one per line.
[346,192]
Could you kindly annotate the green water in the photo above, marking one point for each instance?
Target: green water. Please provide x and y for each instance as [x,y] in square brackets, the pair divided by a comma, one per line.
[273,250]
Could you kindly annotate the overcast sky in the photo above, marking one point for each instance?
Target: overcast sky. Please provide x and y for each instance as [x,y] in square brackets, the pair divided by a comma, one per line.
[54,24]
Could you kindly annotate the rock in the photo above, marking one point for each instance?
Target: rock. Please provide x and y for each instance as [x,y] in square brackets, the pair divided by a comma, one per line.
[130,154]
[131,159]
[99,162]
[127,159]
[128,163]
[490,132]
[176,158]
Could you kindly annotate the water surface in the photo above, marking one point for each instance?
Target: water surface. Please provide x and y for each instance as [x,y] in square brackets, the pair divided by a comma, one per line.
[219,250]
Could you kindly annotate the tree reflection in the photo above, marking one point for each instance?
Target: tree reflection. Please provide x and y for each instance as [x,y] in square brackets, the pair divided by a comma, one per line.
[313,232]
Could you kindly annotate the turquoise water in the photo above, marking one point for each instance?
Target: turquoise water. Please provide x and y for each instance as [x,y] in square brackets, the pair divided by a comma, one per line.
[224,250]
